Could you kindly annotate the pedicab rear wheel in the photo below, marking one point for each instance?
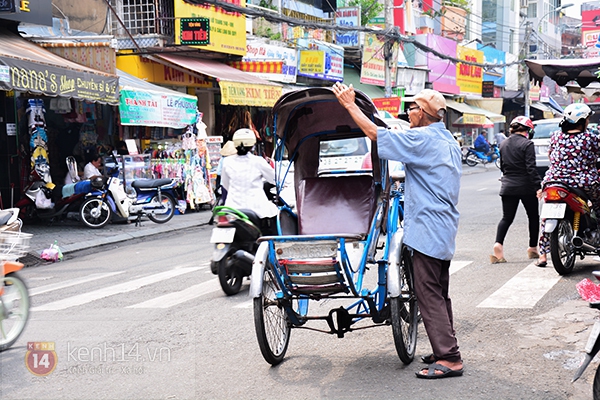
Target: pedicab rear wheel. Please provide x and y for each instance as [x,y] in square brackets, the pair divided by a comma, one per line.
[271,322]
[14,307]
[404,313]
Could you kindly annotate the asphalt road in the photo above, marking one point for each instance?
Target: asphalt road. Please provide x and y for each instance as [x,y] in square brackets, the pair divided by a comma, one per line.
[147,319]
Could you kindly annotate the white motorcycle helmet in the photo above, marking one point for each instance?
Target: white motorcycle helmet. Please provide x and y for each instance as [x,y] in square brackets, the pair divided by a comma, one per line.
[244,137]
[576,111]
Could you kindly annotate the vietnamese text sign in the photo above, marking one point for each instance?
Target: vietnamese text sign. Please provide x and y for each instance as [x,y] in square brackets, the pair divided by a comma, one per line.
[333,60]
[373,63]
[347,16]
[50,80]
[469,77]
[389,104]
[259,51]
[312,62]
[473,119]
[145,108]
[194,31]
[227,32]
[247,94]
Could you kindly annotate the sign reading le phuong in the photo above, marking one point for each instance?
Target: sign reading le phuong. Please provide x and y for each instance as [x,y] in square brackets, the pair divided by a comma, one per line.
[195,31]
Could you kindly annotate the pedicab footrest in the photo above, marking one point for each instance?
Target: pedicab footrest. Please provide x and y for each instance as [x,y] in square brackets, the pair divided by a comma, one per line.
[319,289]
[312,272]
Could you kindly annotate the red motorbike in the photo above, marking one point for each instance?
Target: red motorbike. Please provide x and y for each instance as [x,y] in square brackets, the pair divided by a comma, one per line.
[572,226]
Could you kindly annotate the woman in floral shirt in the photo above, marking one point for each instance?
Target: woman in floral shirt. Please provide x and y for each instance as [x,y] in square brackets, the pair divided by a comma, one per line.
[573,152]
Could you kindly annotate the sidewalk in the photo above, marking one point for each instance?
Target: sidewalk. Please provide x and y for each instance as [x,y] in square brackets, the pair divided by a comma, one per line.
[72,235]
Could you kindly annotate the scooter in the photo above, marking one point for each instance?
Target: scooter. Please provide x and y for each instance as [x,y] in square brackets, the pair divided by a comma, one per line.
[572,227]
[235,243]
[152,198]
[14,296]
[474,157]
[591,349]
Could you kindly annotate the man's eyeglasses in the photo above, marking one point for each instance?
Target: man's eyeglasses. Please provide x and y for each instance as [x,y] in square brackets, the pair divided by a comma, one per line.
[413,108]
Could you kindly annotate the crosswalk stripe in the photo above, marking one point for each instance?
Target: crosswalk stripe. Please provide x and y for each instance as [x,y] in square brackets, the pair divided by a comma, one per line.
[524,290]
[456,266]
[112,290]
[70,282]
[172,299]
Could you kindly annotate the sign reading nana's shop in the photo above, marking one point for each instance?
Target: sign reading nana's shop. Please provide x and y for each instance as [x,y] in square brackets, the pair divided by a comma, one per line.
[49,80]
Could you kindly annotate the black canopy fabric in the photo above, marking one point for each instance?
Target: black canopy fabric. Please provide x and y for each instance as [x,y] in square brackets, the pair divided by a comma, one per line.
[583,71]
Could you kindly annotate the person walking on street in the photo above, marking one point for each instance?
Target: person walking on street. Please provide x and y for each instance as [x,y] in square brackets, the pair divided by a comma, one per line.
[433,165]
[520,183]
[499,137]
[573,152]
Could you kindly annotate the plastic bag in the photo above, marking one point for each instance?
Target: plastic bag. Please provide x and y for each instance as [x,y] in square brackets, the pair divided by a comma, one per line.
[588,290]
[53,253]
[41,201]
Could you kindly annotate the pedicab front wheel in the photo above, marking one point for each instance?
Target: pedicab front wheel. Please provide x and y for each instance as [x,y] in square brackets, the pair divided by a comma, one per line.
[271,322]
[404,313]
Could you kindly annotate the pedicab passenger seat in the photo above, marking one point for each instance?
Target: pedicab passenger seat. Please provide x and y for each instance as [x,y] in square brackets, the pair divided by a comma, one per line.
[336,206]
[330,205]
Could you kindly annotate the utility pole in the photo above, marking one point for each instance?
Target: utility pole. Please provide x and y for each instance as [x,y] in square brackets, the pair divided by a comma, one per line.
[388,46]
[526,83]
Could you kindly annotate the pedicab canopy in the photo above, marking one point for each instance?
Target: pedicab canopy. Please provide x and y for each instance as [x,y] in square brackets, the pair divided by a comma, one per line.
[305,112]
[304,117]
[583,71]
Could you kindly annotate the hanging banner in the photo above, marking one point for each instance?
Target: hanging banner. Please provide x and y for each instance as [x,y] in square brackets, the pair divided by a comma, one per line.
[246,94]
[261,57]
[145,108]
[389,104]
[347,16]
[373,63]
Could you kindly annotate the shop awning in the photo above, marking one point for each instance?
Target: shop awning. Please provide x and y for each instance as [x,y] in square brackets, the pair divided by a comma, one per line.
[144,104]
[238,88]
[492,116]
[541,106]
[352,76]
[473,121]
[27,67]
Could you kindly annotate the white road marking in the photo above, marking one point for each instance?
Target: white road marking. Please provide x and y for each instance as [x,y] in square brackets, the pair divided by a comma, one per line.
[481,190]
[456,266]
[70,282]
[175,298]
[112,290]
[524,290]
[246,304]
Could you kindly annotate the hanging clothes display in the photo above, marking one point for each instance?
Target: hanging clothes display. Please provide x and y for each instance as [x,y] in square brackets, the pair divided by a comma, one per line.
[38,142]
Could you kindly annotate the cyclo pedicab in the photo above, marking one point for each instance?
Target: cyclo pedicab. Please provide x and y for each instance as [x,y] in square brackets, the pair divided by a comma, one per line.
[343,241]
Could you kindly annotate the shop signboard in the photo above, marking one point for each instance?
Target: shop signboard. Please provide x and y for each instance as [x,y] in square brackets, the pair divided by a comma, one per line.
[389,104]
[37,12]
[590,33]
[270,62]
[247,94]
[194,31]
[469,77]
[473,119]
[331,67]
[441,72]
[8,6]
[49,80]
[487,89]
[227,30]
[146,108]
[494,57]
[373,63]
[347,16]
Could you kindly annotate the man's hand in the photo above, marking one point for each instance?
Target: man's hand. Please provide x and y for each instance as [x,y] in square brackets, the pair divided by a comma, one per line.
[345,94]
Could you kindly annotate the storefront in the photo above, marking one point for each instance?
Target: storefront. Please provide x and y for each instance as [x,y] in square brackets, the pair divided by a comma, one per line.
[52,107]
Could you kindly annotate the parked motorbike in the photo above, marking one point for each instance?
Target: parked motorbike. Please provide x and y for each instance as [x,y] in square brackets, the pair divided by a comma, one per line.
[474,157]
[14,296]
[591,349]
[152,198]
[572,227]
[43,199]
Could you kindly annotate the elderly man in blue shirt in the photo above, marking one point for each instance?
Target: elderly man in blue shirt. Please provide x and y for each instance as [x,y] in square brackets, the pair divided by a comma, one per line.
[433,164]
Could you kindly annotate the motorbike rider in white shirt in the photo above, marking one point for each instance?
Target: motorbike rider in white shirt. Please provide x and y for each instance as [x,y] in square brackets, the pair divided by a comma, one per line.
[243,176]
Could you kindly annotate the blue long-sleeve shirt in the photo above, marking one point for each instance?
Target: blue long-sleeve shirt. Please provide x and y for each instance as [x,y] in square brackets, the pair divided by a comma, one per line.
[433,163]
